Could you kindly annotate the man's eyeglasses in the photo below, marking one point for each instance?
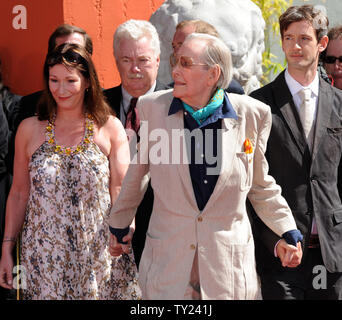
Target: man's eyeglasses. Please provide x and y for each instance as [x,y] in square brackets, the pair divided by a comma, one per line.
[332,59]
[185,62]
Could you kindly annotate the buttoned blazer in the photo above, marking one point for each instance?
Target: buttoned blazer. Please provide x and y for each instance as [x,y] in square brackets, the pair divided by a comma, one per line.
[221,232]
[309,180]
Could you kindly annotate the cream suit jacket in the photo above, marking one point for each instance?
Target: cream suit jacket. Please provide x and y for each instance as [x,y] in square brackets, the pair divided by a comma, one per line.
[221,232]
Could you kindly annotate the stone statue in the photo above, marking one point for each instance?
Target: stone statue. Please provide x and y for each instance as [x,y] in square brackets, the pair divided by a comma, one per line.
[239,23]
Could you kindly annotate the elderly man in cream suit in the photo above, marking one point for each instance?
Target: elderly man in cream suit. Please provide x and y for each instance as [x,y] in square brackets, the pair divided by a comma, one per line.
[199,243]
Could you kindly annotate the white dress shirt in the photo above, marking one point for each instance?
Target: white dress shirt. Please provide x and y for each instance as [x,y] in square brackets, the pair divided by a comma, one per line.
[126,100]
[295,87]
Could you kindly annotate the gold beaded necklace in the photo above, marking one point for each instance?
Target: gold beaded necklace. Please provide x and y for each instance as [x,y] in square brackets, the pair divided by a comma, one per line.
[89,132]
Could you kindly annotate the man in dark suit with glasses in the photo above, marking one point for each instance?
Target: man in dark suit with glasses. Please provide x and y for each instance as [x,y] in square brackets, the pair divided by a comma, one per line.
[332,56]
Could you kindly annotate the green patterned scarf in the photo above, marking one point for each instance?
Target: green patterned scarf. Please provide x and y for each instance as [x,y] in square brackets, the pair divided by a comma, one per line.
[202,114]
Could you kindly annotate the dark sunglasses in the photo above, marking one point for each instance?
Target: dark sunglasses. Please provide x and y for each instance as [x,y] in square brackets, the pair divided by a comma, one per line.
[185,62]
[332,59]
[69,56]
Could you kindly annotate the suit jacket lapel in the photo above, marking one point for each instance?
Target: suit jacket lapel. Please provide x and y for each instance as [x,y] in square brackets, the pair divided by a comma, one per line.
[114,97]
[176,122]
[230,131]
[324,110]
[284,102]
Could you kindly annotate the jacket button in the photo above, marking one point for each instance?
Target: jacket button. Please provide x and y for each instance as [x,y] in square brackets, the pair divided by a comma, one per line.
[200,219]
[192,247]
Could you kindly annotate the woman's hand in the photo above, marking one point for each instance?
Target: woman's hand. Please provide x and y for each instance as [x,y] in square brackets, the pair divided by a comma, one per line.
[6,268]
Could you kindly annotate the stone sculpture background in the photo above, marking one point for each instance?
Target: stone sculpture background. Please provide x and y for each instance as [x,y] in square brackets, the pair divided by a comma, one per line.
[239,23]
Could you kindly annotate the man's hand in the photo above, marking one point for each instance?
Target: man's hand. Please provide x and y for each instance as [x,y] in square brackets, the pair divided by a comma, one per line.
[289,255]
[117,249]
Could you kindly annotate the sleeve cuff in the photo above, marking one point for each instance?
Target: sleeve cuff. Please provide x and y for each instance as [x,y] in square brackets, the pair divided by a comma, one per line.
[292,237]
[275,249]
[119,233]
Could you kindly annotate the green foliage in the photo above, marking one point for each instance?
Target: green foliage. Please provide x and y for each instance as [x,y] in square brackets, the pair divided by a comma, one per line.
[271,10]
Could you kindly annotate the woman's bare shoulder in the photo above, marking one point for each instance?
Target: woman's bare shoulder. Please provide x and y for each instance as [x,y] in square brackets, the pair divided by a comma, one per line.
[114,122]
[30,126]
[113,126]
[31,132]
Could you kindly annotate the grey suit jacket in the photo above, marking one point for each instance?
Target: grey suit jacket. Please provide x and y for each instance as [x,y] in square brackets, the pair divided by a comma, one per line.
[309,180]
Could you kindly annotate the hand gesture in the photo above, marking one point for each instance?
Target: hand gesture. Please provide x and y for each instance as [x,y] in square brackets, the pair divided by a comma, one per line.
[6,267]
[116,249]
[289,255]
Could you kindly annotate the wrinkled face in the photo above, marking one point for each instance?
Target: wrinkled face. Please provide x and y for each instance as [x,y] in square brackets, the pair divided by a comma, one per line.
[192,83]
[67,86]
[301,47]
[137,65]
[180,36]
[334,49]
[71,38]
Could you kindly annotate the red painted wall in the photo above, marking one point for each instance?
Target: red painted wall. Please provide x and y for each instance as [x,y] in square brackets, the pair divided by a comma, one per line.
[23,51]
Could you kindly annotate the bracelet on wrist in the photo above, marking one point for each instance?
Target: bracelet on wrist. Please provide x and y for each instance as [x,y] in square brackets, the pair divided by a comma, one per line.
[7,239]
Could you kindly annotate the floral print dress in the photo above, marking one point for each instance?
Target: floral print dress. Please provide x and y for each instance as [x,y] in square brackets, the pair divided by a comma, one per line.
[65,236]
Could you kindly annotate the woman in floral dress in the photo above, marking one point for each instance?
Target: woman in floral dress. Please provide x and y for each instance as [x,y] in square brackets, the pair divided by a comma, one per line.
[69,165]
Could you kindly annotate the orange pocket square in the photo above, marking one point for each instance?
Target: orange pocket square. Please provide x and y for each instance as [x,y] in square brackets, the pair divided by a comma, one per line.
[248,148]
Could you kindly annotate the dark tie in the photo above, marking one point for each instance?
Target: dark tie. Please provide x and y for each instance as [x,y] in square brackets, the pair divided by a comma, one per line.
[132,119]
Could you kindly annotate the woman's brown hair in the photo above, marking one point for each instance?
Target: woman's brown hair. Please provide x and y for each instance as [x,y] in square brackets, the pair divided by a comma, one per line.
[74,56]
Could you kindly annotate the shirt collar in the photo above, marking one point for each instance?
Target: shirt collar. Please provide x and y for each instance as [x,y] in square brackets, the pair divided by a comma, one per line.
[226,110]
[295,86]
[126,97]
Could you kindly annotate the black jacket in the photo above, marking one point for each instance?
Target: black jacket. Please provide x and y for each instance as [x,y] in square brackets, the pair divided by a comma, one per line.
[309,182]
[9,103]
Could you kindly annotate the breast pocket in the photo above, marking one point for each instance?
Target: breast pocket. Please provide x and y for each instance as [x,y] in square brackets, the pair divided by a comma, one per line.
[245,165]
[333,144]
[335,131]
[337,217]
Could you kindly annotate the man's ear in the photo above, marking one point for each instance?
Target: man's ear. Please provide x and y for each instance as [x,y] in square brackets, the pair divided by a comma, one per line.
[323,43]
[214,75]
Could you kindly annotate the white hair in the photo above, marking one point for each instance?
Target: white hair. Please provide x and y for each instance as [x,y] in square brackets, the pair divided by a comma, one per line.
[136,29]
[216,53]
